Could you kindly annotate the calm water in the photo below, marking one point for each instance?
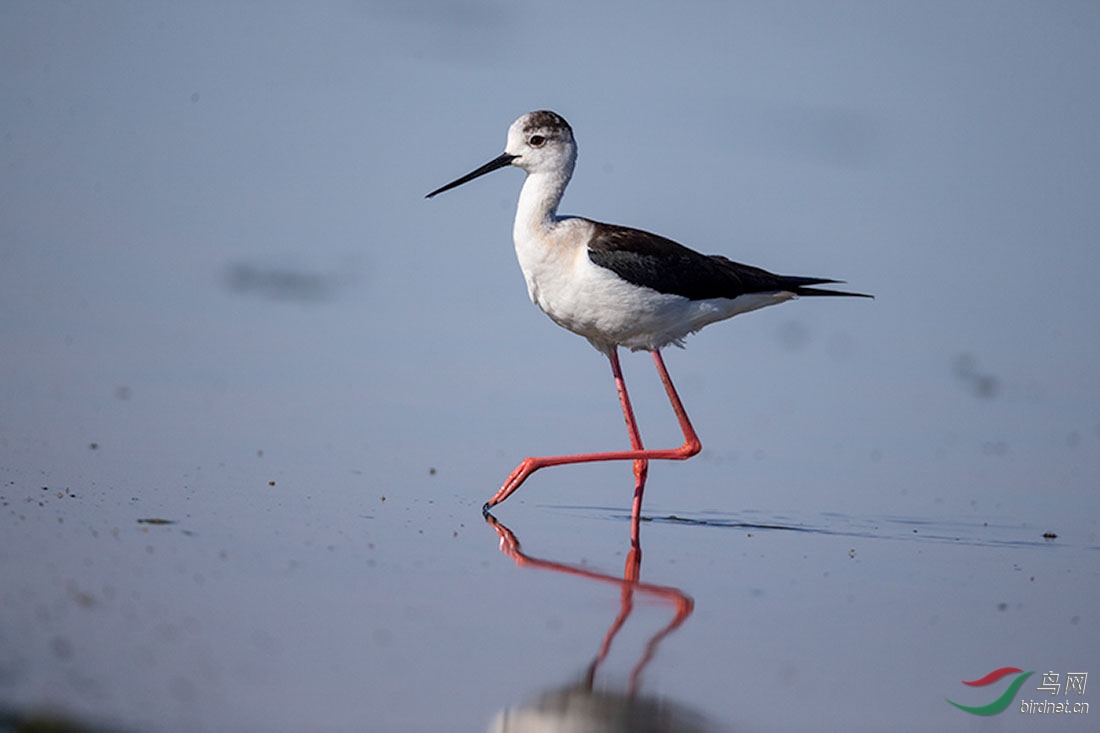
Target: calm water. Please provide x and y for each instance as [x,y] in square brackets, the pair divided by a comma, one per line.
[254,389]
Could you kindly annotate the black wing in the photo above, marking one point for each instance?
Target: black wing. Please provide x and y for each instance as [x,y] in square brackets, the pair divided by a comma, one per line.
[655,262]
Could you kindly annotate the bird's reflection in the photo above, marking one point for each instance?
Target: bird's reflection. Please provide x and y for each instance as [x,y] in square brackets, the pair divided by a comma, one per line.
[577,709]
[581,706]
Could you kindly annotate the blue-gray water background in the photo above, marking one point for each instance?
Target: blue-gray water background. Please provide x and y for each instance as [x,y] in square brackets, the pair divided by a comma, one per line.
[225,304]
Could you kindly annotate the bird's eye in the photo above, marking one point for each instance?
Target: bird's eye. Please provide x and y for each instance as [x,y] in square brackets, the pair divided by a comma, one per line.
[536,141]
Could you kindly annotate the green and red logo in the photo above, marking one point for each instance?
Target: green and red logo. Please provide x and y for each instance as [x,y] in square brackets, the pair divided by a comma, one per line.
[1001,702]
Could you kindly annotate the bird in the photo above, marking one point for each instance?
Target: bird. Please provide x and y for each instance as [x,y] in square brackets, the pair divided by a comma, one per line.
[618,286]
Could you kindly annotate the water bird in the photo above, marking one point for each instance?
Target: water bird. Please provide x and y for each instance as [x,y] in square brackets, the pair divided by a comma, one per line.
[618,286]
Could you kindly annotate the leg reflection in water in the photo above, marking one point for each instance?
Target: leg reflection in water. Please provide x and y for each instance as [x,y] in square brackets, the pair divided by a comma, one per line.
[581,706]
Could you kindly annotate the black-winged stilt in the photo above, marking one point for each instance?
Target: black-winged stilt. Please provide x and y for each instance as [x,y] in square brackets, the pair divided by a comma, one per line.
[618,286]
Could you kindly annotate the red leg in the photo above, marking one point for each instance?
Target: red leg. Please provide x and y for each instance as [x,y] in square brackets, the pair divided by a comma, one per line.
[641,465]
[637,453]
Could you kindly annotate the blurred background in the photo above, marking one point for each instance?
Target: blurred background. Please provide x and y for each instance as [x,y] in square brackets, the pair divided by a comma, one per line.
[254,388]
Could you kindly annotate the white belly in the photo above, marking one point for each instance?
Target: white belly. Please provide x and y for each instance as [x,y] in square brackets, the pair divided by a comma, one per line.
[594,302]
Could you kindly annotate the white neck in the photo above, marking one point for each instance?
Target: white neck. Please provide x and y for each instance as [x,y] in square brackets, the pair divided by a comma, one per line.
[538,201]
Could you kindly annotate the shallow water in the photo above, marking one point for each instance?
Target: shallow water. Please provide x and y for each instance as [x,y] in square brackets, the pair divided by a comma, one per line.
[255,390]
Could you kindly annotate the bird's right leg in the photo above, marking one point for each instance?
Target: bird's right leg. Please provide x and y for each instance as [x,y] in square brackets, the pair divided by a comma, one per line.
[638,454]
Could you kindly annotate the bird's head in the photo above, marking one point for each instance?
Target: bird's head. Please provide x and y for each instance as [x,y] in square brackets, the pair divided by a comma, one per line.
[538,142]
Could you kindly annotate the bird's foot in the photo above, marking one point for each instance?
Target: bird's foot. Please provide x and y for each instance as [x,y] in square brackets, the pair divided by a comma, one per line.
[514,481]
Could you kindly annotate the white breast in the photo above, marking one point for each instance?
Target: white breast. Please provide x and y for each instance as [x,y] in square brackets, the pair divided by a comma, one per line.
[594,302]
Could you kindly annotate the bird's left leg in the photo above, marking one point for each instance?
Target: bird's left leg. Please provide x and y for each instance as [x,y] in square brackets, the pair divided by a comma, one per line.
[639,455]
[641,465]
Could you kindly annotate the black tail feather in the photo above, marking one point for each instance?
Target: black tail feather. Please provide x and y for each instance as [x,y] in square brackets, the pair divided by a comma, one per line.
[799,286]
[823,291]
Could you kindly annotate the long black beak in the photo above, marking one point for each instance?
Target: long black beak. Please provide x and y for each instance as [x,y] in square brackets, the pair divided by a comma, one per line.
[498,162]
